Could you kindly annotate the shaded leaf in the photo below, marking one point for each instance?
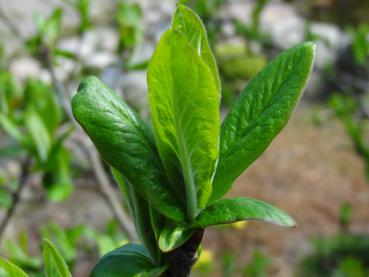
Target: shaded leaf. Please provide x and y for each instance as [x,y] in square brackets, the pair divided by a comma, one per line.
[128,260]
[140,212]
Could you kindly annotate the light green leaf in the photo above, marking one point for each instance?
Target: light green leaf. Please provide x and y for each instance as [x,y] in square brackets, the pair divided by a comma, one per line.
[172,237]
[189,24]
[38,133]
[184,104]
[11,128]
[11,269]
[43,100]
[125,142]
[55,265]
[241,208]
[128,260]
[260,113]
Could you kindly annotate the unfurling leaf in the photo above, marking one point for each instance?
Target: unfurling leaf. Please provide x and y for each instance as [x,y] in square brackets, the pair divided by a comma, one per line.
[184,103]
[172,237]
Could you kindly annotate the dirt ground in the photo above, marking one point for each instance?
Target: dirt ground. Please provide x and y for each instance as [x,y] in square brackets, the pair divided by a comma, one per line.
[307,171]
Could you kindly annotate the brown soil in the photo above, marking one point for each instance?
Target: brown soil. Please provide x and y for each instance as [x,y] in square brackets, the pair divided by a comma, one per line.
[309,172]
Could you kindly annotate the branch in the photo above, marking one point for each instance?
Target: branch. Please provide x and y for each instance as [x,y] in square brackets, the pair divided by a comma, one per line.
[183,258]
[23,177]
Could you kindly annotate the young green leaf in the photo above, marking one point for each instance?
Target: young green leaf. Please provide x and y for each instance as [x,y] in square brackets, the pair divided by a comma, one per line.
[260,113]
[189,24]
[11,269]
[11,128]
[184,104]
[241,208]
[55,265]
[125,142]
[172,237]
[38,133]
[128,260]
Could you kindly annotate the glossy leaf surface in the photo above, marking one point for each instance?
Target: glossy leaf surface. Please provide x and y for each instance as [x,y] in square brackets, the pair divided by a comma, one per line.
[260,112]
[184,103]
[125,142]
[241,208]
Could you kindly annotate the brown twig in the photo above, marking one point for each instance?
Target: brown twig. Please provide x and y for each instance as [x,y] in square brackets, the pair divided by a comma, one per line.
[23,177]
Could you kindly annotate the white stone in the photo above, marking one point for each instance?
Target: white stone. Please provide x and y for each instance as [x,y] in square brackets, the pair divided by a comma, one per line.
[99,60]
[25,67]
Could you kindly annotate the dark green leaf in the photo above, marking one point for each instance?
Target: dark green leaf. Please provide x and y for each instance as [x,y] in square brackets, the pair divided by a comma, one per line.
[55,265]
[125,142]
[172,237]
[128,260]
[260,113]
[241,208]
[11,269]
[65,54]
[184,104]
[60,185]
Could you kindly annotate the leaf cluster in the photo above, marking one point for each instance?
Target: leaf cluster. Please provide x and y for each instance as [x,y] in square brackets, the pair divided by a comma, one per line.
[175,172]
[31,116]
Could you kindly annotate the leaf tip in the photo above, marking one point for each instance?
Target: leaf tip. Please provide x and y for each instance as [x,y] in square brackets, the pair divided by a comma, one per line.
[88,82]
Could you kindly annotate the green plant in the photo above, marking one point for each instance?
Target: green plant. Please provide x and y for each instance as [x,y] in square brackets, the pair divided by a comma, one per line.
[360,44]
[346,109]
[128,19]
[23,118]
[340,255]
[175,174]
[258,265]
[252,31]
[54,264]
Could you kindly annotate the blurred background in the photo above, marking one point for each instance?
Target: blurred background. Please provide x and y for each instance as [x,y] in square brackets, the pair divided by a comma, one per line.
[53,183]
